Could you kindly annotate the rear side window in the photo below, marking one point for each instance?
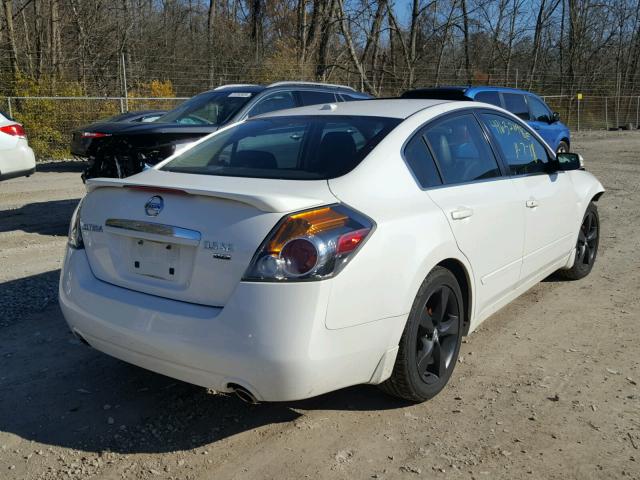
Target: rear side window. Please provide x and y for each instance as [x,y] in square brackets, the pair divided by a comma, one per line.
[461,150]
[310,97]
[421,163]
[522,151]
[292,147]
[539,111]
[492,98]
[516,104]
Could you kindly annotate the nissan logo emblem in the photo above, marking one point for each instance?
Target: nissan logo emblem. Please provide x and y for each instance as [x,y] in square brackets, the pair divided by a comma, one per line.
[154,206]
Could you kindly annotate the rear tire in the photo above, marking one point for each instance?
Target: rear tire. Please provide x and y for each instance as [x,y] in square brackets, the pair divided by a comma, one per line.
[430,343]
[586,246]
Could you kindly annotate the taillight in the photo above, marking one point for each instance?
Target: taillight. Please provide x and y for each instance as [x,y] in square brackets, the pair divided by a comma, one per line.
[15,130]
[94,135]
[75,229]
[310,245]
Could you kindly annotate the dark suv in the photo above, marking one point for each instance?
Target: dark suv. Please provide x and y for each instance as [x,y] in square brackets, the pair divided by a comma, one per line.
[123,149]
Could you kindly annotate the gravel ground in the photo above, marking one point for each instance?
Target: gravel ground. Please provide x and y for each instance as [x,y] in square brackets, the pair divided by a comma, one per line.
[547,388]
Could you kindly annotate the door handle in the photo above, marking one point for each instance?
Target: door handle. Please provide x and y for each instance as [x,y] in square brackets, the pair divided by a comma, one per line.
[461,213]
[532,203]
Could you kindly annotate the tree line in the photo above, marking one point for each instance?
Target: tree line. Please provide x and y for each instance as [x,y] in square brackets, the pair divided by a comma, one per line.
[556,47]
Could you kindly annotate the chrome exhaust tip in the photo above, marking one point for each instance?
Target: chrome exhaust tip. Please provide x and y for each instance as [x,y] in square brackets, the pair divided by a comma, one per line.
[243,394]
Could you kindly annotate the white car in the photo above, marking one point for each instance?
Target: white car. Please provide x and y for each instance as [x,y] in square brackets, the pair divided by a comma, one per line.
[316,248]
[16,157]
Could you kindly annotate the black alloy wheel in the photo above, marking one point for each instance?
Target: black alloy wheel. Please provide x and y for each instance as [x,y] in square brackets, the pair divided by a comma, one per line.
[586,245]
[438,330]
[430,343]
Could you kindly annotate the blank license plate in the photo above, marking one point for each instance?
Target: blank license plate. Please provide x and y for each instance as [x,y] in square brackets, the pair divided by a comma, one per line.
[155,259]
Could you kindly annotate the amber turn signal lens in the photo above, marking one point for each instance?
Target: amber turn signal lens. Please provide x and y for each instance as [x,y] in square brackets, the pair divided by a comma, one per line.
[307,223]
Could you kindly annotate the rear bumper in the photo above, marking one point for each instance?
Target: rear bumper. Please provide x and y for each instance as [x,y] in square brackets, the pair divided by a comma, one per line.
[17,173]
[17,162]
[269,338]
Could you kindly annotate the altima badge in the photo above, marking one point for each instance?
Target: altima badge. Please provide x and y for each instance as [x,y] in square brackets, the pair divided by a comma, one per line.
[154,206]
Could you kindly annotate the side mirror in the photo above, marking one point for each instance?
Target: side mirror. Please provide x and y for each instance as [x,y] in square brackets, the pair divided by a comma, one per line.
[555,117]
[569,161]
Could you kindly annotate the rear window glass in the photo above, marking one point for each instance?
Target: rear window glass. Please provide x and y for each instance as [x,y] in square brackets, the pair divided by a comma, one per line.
[516,104]
[207,108]
[296,147]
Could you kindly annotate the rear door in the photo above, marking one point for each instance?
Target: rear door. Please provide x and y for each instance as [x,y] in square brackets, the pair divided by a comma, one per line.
[549,199]
[480,203]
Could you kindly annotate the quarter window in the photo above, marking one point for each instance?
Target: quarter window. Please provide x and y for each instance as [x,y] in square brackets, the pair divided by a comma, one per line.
[516,104]
[461,150]
[421,162]
[522,151]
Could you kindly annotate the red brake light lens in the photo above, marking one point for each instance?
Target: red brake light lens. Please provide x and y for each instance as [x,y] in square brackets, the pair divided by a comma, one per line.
[15,130]
[350,241]
[94,135]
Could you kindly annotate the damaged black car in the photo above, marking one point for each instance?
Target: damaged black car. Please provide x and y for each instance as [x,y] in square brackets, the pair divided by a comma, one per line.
[117,149]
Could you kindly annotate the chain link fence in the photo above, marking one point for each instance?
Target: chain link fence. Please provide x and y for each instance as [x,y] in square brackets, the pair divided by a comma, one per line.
[51,120]
[597,113]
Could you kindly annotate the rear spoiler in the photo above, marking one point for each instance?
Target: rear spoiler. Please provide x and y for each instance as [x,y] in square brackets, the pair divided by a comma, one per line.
[265,199]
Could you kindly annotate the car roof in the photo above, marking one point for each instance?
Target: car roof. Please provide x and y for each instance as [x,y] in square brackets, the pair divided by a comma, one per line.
[458,92]
[390,108]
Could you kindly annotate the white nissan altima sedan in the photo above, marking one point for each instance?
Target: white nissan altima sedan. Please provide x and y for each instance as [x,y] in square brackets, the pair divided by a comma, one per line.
[332,245]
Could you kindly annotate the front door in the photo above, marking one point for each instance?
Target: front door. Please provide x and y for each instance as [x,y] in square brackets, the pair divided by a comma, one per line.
[549,199]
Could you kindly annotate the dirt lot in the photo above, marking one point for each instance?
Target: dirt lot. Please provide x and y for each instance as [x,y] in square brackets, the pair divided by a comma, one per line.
[547,388]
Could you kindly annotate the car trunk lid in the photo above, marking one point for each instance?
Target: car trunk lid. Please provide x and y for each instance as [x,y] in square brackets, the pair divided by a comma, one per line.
[191,241]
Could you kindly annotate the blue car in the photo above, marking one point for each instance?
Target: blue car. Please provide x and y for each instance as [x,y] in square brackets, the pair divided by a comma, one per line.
[526,105]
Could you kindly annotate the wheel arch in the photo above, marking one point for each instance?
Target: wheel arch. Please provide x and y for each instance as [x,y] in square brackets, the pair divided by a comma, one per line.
[458,269]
